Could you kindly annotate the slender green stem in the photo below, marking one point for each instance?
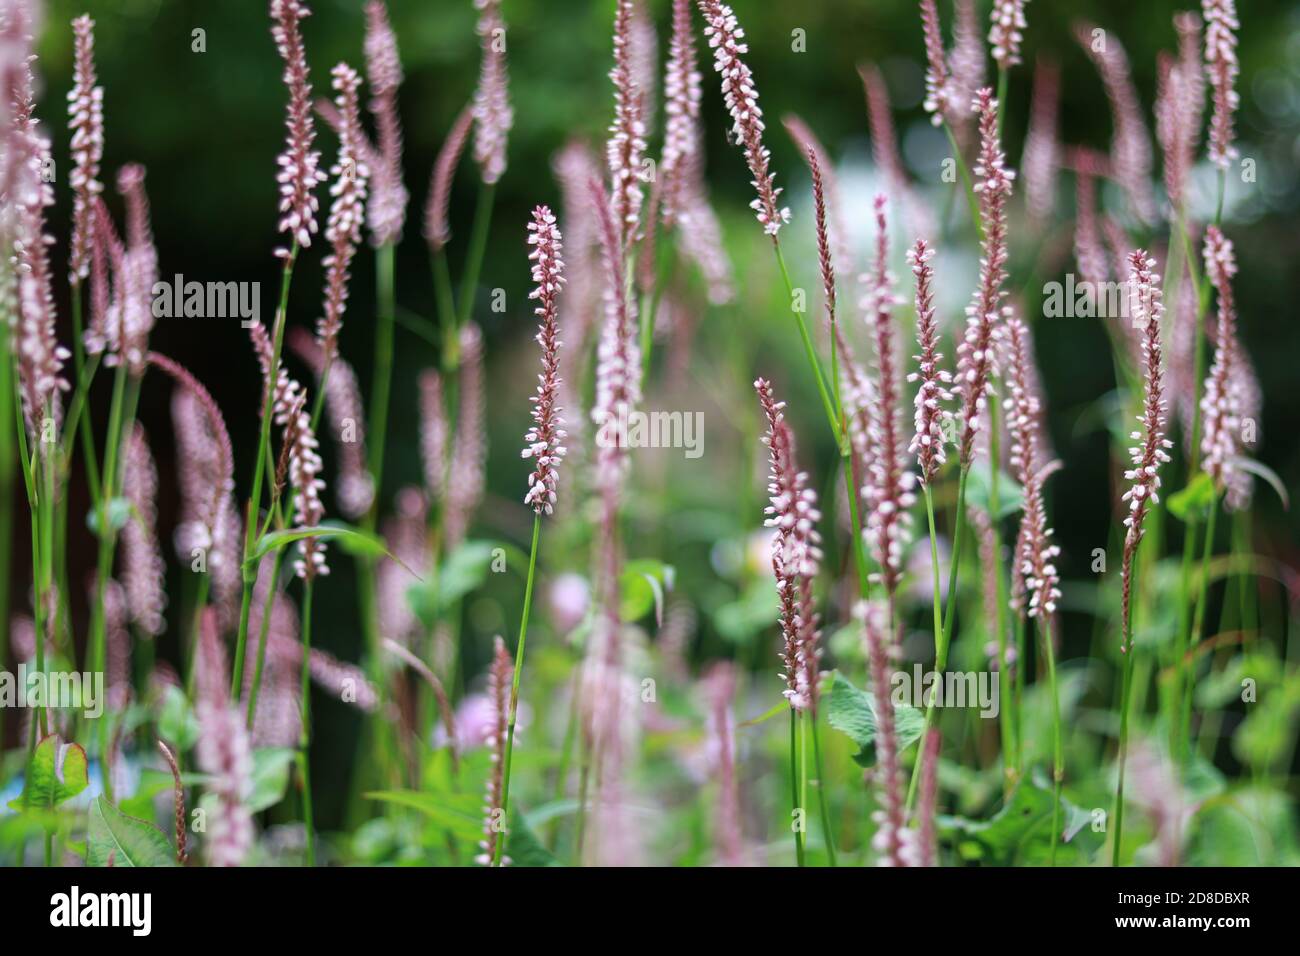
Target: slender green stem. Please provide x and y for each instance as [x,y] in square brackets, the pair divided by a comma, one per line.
[304,742]
[1005,722]
[827,829]
[383,376]
[446,301]
[1058,752]
[795,810]
[125,392]
[1126,694]
[809,350]
[259,470]
[1198,623]
[971,202]
[262,632]
[944,637]
[514,691]
[477,248]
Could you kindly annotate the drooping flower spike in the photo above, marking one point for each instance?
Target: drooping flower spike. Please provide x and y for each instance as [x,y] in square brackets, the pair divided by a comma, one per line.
[726,39]
[796,553]
[493,115]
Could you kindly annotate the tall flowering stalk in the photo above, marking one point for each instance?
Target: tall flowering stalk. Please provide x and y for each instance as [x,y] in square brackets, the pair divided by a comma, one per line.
[299,175]
[493,117]
[796,558]
[1223,405]
[932,394]
[1035,552]
[543,442]
[1221,69]
[888,489]
[626,147]
[1147,457]
[726,39]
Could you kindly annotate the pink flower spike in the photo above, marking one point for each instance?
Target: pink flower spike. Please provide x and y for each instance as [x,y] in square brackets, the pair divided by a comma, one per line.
[86,121]
[299,173]
[726,39]
[1152,448]
[386,213]
[493,116]
[544,441]
[1221,67]
[796,554]
[932,391]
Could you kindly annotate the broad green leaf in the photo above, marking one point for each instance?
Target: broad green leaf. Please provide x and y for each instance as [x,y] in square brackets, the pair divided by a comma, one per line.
[853,712]
[126,841]
[57,773]
[979,491]
[643,585]
[523,847]
[270,777]
[176,720]
[460,824]
[1193,500]
[463,571]
[1021,832]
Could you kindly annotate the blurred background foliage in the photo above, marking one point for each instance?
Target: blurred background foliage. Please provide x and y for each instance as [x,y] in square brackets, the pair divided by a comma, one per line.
[208,126]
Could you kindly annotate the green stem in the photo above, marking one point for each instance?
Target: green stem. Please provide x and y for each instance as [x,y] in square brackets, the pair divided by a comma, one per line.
[971,201]
[943,639]
[1125,697]
[304,743]
[259,470]
[443,295]
[514,691]
[262,632]
[811,352]
[477,247]
[827,835]
[1198,623]
[794,786]
[1058,752]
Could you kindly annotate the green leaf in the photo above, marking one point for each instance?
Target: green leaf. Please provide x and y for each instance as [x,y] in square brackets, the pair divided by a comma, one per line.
[463,571]
[176,720]
[643,584]
[1021,832]
[270,777]
[1259,469]
[1193,501]
[979,491]
[853,712]
[460,823]
[350,539]
[57,773]
[126,841]
[523,847]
